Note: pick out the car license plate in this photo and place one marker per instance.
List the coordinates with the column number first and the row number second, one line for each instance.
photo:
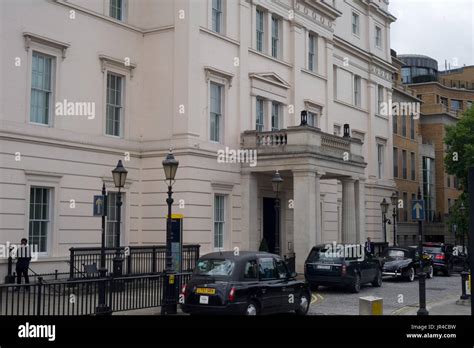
column 204, row 299
column 206, row 291
column 323, row 267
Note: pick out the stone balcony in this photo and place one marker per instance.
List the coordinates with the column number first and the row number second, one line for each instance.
column 304, row 139
column 436, row 109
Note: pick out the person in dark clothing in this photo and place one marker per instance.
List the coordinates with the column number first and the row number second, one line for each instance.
column 23, row 256
column 369, row 247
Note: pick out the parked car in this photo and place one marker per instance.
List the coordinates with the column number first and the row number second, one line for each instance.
column 460, row 258
column 405, row 263
column 442, row 254
column 250, row 283
column 346, row 266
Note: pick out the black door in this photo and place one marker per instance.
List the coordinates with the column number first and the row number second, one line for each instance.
column 269, row 222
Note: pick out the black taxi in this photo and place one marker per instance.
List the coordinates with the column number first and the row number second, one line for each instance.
column 243, row 283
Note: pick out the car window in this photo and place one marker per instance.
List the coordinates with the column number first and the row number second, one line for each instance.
column 432, row 249
column 281, row 268
column 215, row 267
column 267, row 269
column 250, row 271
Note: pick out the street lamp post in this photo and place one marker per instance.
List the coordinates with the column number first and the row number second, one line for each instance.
column 102, row 308
column 277, row 182
column 384, row 206
column 462, row 208
column 422, row 275
column 394, row 199
column 119, row 175
column 168, row 306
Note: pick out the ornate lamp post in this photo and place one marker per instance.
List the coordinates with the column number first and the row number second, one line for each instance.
column 384, row 206
column 119, row 175
column 170, row 166
column 394, row 199
column 462, row 209
column 277, row 182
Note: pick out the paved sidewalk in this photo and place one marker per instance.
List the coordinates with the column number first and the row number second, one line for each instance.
column 451, row 305
column 146, row 311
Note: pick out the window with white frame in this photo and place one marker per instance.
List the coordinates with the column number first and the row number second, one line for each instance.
column 39, row 217
column 275, row 116
column 337, row 130
column 378, row 37
column 312, row 52
column 114, row 105
column 112, row 221
column 260, row 30
column 219, row 221
column 260, row 115
column 41, row 88
column 116, row 9
column 380, row 98
column 216, row 112
column 313, row 119
column 217, row 16
column 357, row 90
column 355, row 23
column 275, row 37
column 380, row 160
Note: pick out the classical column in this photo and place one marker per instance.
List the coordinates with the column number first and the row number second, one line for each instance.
column 348, row 211
column 360, row 211
column 304, row 215
column 317, row 193
column 250, row 236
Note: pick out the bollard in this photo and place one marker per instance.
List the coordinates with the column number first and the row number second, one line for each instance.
column 464, row 281
column 370, row 305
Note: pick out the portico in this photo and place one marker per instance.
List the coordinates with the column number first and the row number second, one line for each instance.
column 306, row 159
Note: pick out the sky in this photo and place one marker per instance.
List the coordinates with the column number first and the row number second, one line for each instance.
column 440, row 29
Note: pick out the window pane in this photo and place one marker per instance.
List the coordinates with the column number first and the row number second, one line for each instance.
column 40, row 88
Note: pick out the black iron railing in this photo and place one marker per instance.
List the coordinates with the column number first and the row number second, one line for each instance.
column 139, row 260
column 81, row 297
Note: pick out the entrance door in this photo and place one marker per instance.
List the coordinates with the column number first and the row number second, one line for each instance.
column 269, row 222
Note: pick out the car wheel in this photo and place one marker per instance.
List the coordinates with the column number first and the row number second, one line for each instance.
column 251, row 308
column 303, row 306
column 378, row 280
column 355, row 287
column 430, row 273
column 314, row 287
column 449, row 271
column 410, row 275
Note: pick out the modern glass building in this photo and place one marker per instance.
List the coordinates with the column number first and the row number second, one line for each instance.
column 418, row 68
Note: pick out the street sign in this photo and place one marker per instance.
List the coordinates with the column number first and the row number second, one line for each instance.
column 418, row 210
column 99, row 206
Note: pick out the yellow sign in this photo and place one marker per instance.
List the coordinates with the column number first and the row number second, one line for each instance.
column 206, row 291
column 171, row 279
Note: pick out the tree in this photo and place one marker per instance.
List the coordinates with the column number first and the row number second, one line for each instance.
column 460, row 142
column 459, row 157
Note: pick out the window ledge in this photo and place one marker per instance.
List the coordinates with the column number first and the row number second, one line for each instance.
column 276, row 60
column 315, row 74
column 220, row 36
column 350, row 105
column 30, row 37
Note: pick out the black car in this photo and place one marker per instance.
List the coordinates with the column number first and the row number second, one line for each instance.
column 342, row 265
column 250, row 283
column 443, row 260
column 405, row 263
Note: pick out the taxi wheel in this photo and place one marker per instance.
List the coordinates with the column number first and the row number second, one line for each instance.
column 355, row 287
column 303, row 306
column 410, row 275
column 251, row 308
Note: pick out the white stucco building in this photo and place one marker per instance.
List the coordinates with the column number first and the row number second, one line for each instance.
column 199, row 76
